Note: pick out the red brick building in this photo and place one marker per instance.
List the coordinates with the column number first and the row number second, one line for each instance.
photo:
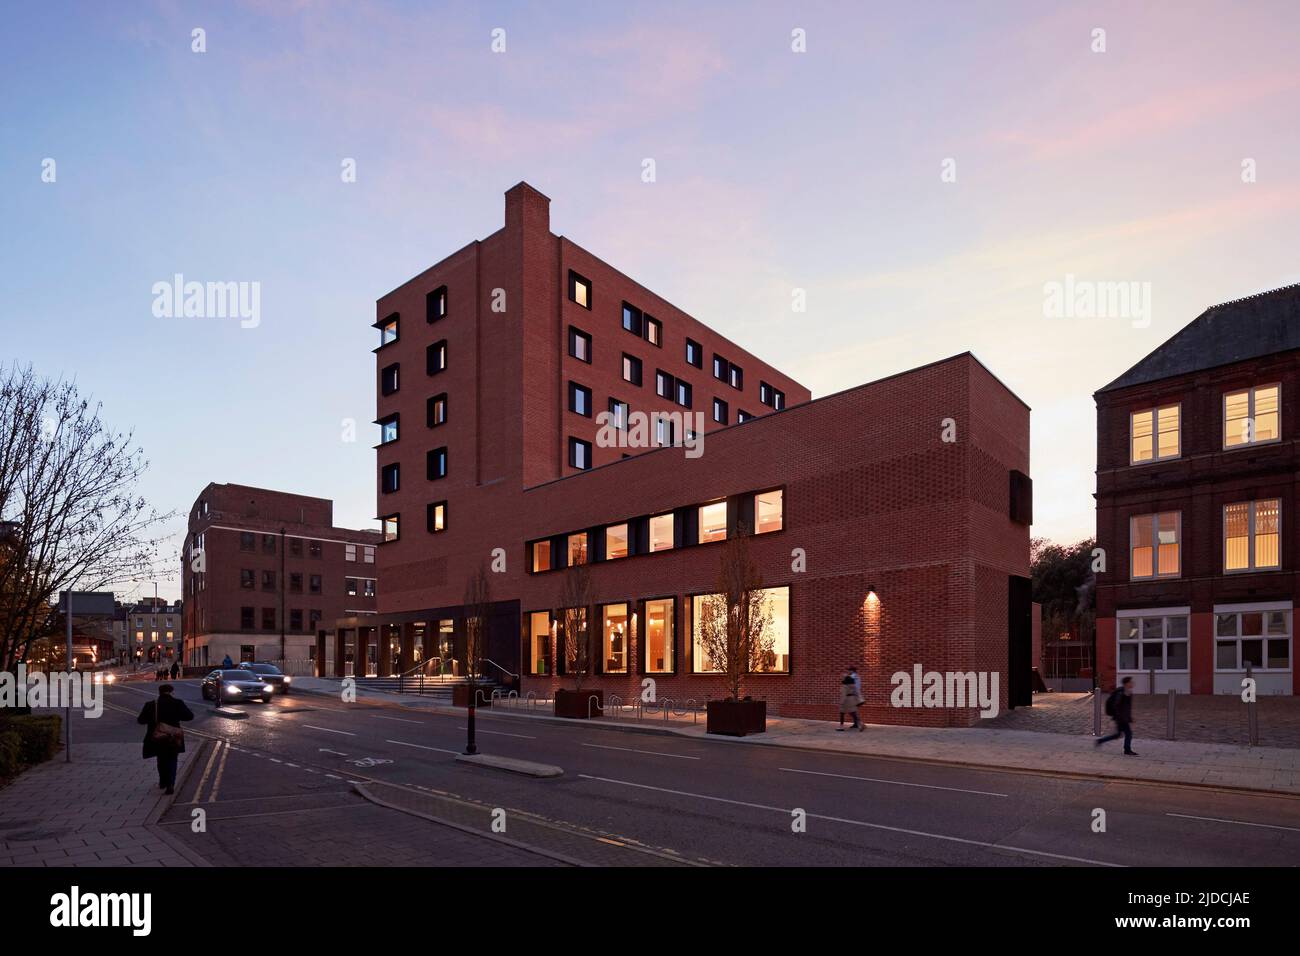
column 264, row 571
column 881, row 516
column 1197, row 464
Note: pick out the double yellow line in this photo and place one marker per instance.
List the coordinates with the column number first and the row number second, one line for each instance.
column 217, row 759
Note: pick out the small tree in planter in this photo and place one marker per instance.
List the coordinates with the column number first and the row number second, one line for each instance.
column 575, row 644
column 735, row 637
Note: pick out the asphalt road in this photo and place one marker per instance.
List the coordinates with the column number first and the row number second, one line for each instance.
column 642, row 799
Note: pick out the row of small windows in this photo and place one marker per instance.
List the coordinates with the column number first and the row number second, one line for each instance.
column 1251, row 540
column 763, row 511
column 248, row 542
column 435, row 359
column 248, row 581
column 247, row 617
column 435, row 521
column 390, row 475
column 435, row 308
column 1251, row 416
column 642, row 635
column 665, row 435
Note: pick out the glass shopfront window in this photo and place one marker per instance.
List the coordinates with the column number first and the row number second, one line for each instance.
column 775, row 661
column 615, row 638
column 539, row 643
column 660, row 636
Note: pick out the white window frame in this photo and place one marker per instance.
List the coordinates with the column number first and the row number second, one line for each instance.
column 1164, row 614
column 1250, row 415
column 1154, row 412
column 1262, row 607
column 1251, row 567
column 1155, row 574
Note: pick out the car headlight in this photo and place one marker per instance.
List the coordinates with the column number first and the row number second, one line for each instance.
column 234, row 690
column 288, row 679
column 268, row 688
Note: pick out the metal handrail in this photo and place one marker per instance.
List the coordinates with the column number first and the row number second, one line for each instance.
column 508, row 673
column 401, row 678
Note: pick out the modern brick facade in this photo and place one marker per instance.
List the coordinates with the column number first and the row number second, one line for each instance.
column 900, row 487
column 263, row 571
column 1196, row 508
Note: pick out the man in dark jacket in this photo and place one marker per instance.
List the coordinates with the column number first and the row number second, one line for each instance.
column 169, row 711
column 1120, row 707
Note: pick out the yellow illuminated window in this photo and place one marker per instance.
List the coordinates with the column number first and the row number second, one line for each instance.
column 713, row 521
column 768, row 511
column 1154, row 545
column 1252, row 535
column 1252, row 416
column 661, row 532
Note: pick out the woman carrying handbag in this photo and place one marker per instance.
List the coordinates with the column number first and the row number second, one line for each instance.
column 163, row 737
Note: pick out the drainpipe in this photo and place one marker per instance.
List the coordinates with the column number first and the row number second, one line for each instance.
column 283, row 663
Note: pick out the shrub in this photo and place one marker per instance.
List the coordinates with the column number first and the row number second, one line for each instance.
column 37, row 736
column 10, row 749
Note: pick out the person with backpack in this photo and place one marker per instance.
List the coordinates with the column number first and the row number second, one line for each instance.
column 163, row 737
column 1119, row 707
column 850, row 698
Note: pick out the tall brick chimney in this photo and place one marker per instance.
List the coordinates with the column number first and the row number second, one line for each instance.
column 527, row 208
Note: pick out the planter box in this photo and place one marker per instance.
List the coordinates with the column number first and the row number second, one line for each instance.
column 460, row 696
column 737, row 718
column 578, row 704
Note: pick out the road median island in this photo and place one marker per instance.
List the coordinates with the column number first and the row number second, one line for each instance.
column 526, row 767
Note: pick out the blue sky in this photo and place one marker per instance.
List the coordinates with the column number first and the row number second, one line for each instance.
column 775, row 170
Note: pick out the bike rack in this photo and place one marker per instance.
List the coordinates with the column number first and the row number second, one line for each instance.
column 593, row 699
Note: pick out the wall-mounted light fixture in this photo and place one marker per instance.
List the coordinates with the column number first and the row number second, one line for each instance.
column 871, row 593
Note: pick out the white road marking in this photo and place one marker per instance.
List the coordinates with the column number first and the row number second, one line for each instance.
column 333, row 776
column 404, row 720
column 345, row 733
column 1240, row 823
column 859, row 823
column 896, row 783
column 276, row 760
column 423, row 747
column 327, row 751
column 498, row 733
column 653, row 753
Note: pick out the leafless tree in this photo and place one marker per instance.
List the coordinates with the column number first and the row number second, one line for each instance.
column 736, row 621
column 575, row 617
column 68, row 517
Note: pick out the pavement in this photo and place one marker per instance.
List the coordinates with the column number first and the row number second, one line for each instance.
column 1186, row 762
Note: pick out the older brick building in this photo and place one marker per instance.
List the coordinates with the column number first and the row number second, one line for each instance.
column 883, row 515
column 1197, row 464
column 263, row 571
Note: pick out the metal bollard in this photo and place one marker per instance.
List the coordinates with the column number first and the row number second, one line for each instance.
column 1096, row 711
column 1169, row 719
column 1252, row 715
column 1151, row 680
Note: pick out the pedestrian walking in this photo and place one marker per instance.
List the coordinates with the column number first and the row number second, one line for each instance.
column 227, row 664
column 850, row 698
column 163, row 737
column 176, row 669
column 1119, row 707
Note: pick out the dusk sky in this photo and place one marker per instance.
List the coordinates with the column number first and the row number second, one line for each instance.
column 924, row 171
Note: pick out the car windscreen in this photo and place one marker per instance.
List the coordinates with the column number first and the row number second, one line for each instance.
column 237, row 675
column 264, row 668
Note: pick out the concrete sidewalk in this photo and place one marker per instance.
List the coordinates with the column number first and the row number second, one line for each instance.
column 97, row 810
column 1223, row 766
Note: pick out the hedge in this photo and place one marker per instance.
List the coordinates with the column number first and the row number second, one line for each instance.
column 35, row 739
column 10, row 748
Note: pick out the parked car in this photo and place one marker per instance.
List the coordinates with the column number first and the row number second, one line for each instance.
column 269, row 673
column 235, row 685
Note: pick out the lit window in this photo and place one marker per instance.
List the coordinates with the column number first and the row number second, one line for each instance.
column 654, row 331
column 1251, row 416
column 1252, row 535
column 579, row 399
column 579, row 344
column 350, row 587
column 388, row 330
column 1155, row 434
column 720, row 411
column 388, row 379
column 541, row 556
column 661, row 532
column 390, row 525
column 435, row 357
column 435, row 410
column 437, row 517
column 389, row 478
column 694, row 353
column 435, row 304
column 436, row 463
column 539, row 643
column 614, row 644
column 577, row 548
column 768, row 511
column 1154, row 545
column 387, row 430
column 713, row 521
column 579, row 454
column 659, row 636
column 709, row 613
column 579, row 290
column 616, row 541
column 631, row 369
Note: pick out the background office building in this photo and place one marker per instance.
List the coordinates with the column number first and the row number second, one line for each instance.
column 1196, row 498
column 263, row 571
column 907, row 498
